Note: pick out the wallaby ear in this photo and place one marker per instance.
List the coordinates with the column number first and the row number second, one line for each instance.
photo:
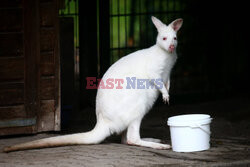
column 157, row 22
column 176, row 25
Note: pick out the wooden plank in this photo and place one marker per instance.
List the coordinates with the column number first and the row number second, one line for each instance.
column 32, row 57
column 49, row 113
column 48, row 106
column 46, row 121
column 57, row 91
column 47, row 37
column 46, row 13
column 11, row 44
column 11, row 94
column 17, row 130
column 11, row 68
column 57, row 126
column 12, row 19
column 47, row 88
column 12, row 112
column 47, row 65
column 17, row 122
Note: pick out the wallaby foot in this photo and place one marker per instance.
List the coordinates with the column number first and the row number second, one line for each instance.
column 132, row 137
column 149, row 144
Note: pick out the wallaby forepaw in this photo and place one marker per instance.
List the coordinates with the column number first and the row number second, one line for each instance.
column 165, row 98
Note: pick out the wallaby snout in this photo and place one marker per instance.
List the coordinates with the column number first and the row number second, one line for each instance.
column 171, row 48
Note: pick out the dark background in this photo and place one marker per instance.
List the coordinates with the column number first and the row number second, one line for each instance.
column 216, row 48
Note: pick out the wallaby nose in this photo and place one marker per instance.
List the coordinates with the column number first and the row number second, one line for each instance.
column 171, row 48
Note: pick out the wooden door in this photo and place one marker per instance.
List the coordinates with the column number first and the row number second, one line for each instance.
column 29, row 67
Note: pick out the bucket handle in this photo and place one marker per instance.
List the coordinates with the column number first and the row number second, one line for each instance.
column 200, row 126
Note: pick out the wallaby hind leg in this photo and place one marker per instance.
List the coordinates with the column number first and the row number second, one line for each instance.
column 133, row 137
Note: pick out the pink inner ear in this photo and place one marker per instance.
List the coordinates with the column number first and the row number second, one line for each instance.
column 177, row 25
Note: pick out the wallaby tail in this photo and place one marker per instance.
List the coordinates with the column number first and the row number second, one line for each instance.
column 95, row 136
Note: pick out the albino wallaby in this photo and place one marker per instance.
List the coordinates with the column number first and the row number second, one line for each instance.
column 122, row 109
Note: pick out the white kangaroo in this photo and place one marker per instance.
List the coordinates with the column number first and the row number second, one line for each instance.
column 122, row 110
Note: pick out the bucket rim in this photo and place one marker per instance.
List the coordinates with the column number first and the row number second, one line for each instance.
column 191, row 120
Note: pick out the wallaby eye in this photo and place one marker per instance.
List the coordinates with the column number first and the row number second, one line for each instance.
column 175, row 38
column 164, row 38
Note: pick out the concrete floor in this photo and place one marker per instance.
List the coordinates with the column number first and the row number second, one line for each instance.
column 229, row 144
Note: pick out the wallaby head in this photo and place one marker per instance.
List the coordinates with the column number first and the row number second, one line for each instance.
column 167, row 34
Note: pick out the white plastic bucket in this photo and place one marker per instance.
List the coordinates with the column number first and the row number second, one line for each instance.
column 190, row 132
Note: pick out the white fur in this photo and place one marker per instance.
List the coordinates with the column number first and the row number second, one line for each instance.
column 121, row 110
